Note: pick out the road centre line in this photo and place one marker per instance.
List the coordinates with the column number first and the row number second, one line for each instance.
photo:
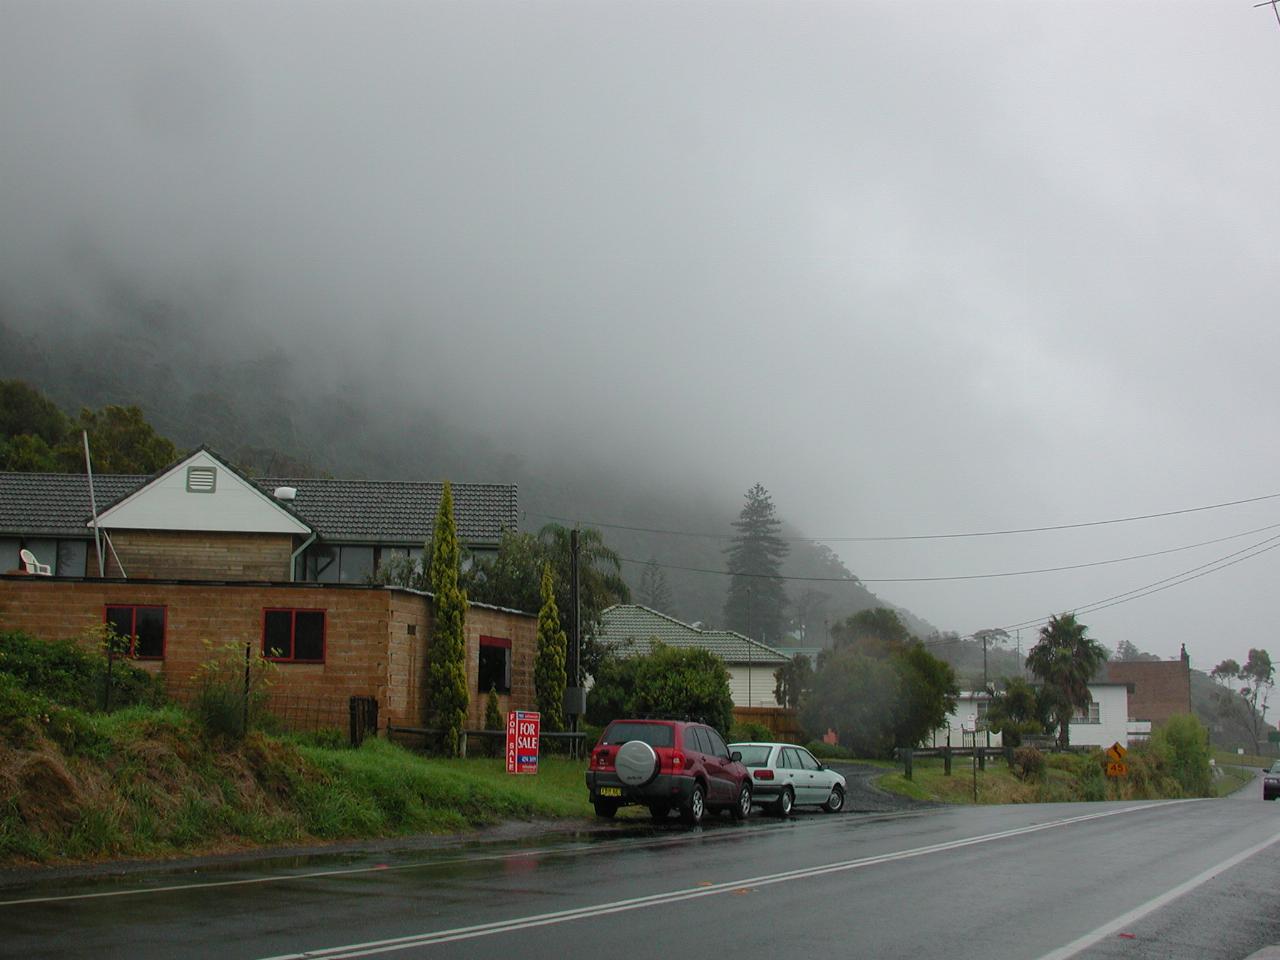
column 1137, row 913
column 432, row 938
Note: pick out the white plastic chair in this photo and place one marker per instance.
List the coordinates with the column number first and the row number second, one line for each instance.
column 33, row 565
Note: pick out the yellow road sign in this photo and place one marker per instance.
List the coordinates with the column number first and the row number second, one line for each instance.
column 1117, row 752
column 1117, row 769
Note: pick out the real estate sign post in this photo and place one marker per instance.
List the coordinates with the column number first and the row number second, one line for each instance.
column 523, row 731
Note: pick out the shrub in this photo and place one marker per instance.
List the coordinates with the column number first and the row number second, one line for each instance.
column 1028, row 763
column 73, row 673
column 746, row 732
column 1183, row 743
column 493, row 721
column 226, row 703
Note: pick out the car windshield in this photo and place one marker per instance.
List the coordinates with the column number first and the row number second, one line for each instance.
column 654, row 734
column 752, row 756
column 1275, row 767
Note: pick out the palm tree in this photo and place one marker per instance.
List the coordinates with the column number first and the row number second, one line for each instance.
column 1065, row 660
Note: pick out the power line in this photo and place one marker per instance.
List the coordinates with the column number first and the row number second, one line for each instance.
column 969, row 576
column 1177, row 579
column 923, row 536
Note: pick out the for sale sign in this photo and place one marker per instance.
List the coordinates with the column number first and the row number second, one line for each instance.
column 523, row 729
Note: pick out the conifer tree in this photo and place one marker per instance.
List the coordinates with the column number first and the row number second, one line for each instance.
column 447, row 651
column 655, row 592
column 493, row 718
column 756, row 596
column 549, row 665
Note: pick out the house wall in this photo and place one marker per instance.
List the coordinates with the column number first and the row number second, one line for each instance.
column 522, row 630
column 1113, row 718
column 751, row 685
column 376, row 639
column 1161, row 688
column 958, row 730
column 184, row 555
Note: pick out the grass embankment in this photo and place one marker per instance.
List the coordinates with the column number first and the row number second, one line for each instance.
column 152, row 779
column 147, row 782
column 1163, row 769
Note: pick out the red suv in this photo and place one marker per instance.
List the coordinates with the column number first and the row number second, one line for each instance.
column 666, row 765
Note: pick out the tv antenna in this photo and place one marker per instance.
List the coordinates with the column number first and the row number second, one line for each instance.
column 1273, row 5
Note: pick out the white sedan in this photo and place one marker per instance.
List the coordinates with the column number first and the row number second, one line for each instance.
column 783, row 775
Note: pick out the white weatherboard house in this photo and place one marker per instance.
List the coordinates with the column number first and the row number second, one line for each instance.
column 631, row 629
column 1104, row 722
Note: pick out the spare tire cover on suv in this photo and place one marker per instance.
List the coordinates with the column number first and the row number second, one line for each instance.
column 636, row 763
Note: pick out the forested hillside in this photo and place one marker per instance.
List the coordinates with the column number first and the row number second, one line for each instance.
column 269, row 405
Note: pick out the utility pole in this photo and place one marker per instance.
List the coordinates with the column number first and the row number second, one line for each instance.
column 986, row 687
column 575, row 696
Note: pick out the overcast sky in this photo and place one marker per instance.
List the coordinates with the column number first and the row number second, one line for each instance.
column 918, row 268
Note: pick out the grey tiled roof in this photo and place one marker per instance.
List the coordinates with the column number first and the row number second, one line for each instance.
column 363, row 511
column 632, row 628
column 398, row 511
column 57, row 504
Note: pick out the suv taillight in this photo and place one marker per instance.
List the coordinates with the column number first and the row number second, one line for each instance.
column 600, row 759
column 677, row 760
column 762, row 774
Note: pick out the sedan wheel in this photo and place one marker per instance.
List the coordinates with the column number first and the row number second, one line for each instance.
column 785, row 803
column 835, row 802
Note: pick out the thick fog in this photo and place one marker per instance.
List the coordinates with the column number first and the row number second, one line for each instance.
column 918, row 268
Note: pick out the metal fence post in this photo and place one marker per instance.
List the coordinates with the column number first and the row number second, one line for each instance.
column 946, row 760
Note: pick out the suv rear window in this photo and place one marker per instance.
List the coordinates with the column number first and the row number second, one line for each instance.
column 654, row 734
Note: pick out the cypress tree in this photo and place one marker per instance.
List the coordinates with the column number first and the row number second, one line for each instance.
column 549, row 666
column 756, row 596
column 447, row 652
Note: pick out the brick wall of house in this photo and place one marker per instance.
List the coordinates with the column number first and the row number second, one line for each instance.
column 522, row 630
column 188, row 555
column 1161, row 688
column 375, row 639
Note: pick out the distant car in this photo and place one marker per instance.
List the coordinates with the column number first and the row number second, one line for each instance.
column 667, row 765
column 1271, row 782
column 785, row 775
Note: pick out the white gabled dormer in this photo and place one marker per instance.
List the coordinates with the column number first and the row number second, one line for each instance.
column 200, row 492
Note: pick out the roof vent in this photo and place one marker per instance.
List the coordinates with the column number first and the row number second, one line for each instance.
column 285, row 493
column 202, row 479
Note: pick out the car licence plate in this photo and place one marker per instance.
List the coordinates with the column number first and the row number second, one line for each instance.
column 610, row 791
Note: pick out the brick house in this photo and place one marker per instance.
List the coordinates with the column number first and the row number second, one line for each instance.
column 1159, row 688
column 200, row 553
column 202, row 518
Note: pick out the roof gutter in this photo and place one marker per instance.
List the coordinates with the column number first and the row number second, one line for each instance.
column 293, row 557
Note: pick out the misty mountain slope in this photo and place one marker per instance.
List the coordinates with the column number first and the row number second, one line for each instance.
column 263, row 404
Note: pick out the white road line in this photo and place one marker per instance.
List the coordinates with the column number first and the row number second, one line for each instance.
column 692, row 893
column 1137, row 913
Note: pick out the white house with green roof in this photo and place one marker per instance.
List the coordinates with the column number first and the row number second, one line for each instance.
column 631, row 630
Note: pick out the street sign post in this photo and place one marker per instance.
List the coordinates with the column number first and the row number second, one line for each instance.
column 523, row 732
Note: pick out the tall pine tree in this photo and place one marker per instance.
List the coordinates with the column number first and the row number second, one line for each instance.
column 655, row 592
column 447, row 651
column 756, row 596
column 548, row 666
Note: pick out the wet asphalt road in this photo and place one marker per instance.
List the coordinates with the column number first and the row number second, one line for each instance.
column 1018, row 882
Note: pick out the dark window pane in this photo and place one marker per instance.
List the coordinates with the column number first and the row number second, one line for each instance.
column 322, row 564
column 9, row 547
column 806, row 760
column 717, row 745
column 654, row 734
column 277, row 634
column 120, row 619
column 357, row 564
column 308, row 635
column 71, row 558
column 494, row 670
column 149, row 632
column 696, row 739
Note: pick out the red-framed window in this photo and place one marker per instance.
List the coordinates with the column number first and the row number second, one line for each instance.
column 494, row 669
column 142, row 626
column 291, row 635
